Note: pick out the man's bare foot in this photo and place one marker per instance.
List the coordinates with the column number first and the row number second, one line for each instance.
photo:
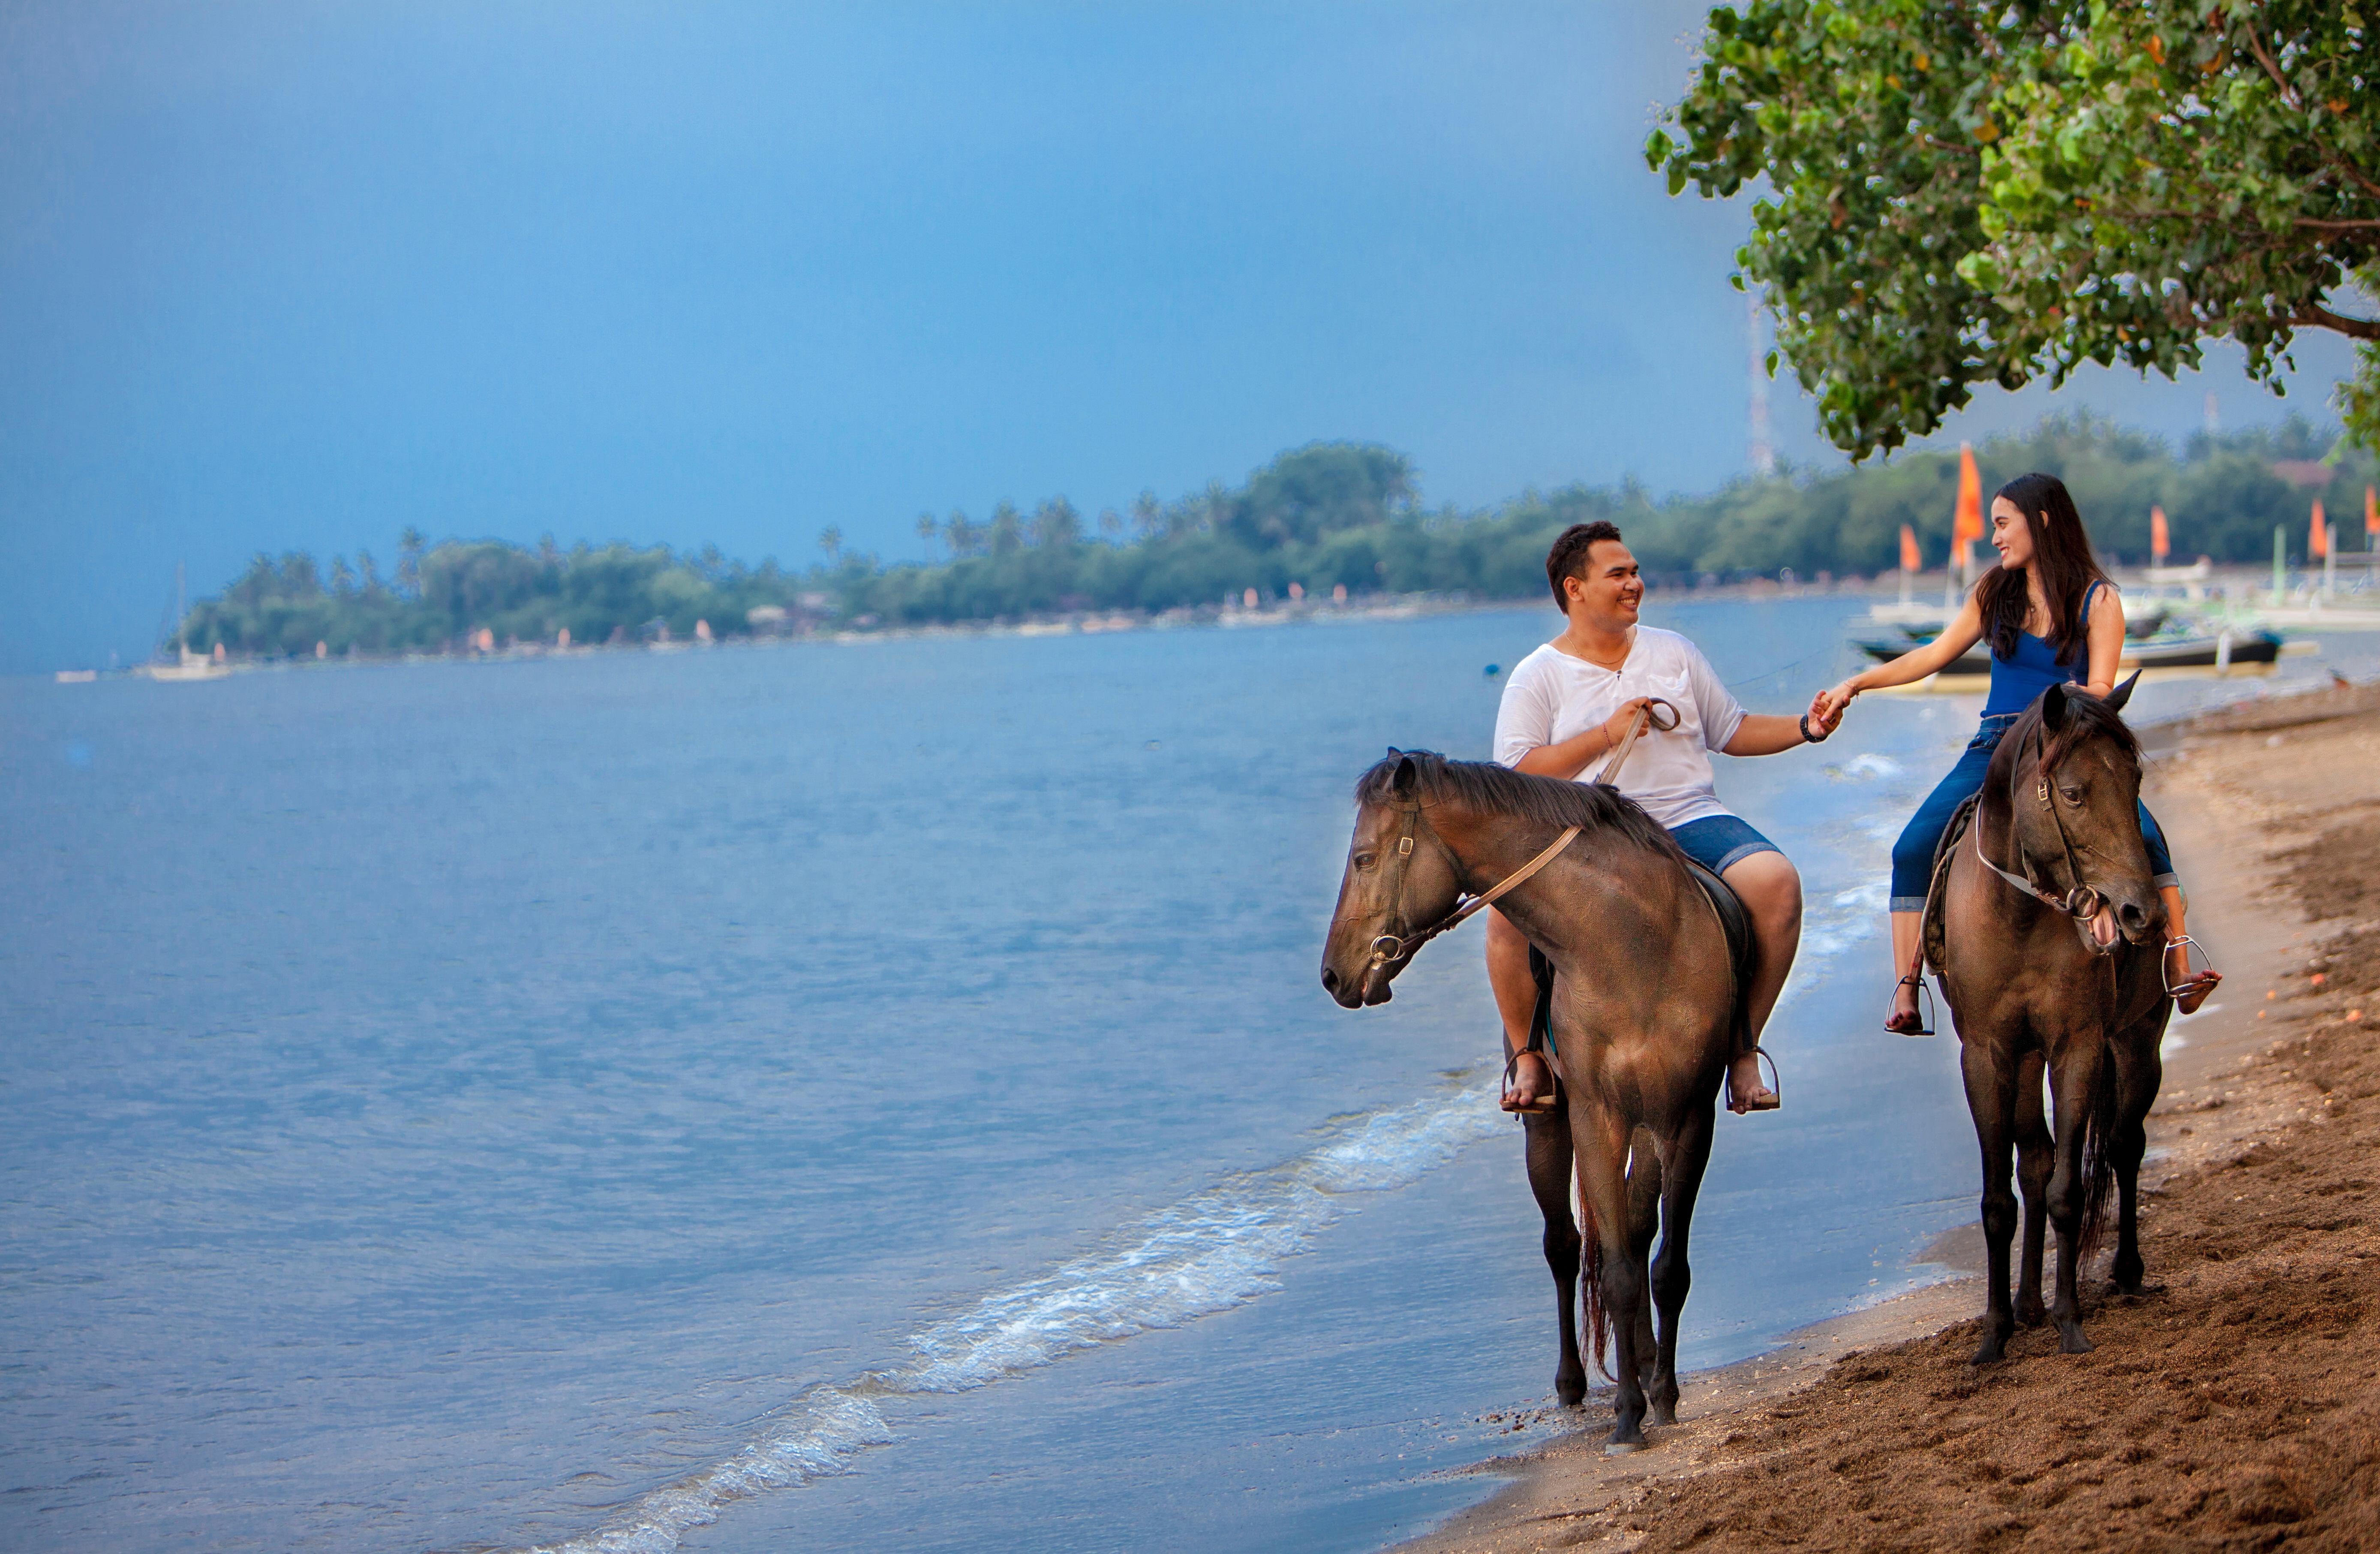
column 1528, row 1083
column 1746, row 1092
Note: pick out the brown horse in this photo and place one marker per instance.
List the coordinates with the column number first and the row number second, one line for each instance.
column 2046, row 943
column 1643, row 1020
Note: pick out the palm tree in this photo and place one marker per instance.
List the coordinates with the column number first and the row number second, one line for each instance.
column 1110, row 524
column 1147, row 515
column 1056, row 524
column 1007, row 529
column 409, row 546
column 927, row 529
column 831, row 542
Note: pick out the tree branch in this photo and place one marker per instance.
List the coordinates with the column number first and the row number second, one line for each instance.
column 2289, row 93
column 2314, row 315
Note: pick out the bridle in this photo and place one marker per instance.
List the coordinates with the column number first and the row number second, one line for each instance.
column 2080, row 902
column 1391, row 948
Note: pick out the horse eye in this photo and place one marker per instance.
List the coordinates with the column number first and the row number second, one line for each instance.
column 2074, row 795
column 1365, row 860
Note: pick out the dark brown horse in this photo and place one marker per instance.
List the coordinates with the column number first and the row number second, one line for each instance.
column 1642, row 1020
column 2046, row 941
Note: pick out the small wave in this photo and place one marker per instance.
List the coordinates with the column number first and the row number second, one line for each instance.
column 1219, row 1248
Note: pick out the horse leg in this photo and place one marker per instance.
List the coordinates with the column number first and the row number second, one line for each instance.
column 1601, row 1148
column 2036, row 1155
column 1644, row 1220
column 1681, row 1178
column 1991, row 1101
column 1549, row 1155
column 2140, row 1071
column 2071, row 1083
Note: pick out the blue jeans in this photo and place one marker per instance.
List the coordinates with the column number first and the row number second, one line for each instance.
column 1912, row 855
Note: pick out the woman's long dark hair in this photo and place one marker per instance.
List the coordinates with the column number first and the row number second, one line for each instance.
column 2063, row 553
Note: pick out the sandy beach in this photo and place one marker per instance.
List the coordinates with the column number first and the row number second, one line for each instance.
column 2237, row 1403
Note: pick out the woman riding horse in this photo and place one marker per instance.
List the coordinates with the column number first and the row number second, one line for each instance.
column 2053, row 618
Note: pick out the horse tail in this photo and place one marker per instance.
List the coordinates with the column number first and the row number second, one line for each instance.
column 1590, row 1272
column 2099, row 1156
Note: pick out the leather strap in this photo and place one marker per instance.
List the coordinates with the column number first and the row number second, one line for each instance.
column 1610, row 774
column 1389, row 946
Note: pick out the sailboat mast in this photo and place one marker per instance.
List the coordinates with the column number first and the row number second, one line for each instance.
column 181, row 613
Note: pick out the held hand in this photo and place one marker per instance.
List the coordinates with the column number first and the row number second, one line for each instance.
column 1826, row 706
column 1615, row 728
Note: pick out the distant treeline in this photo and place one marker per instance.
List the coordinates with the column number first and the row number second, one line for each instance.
column 1325, row 516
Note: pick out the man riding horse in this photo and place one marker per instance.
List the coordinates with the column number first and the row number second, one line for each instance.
column 1566, row 712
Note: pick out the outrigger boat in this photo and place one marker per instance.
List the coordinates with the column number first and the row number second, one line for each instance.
column 2254, row 651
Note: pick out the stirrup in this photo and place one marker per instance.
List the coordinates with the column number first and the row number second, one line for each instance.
column 1776, row 1089
column 2188, row 978
column 1926, row 1004
column 1546, row 1105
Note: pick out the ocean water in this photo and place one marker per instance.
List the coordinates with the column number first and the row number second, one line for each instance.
column 838, row 1096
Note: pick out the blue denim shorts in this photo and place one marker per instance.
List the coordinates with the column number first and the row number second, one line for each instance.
column 1718, row 842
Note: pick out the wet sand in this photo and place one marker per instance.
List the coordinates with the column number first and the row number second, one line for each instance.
column 2237, row 1403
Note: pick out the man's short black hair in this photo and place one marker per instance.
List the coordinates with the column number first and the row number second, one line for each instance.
column 1567, row 559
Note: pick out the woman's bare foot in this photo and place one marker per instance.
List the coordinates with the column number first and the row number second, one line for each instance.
column 2186, row 988
column 1528, row 1083
column 1907, row 1018
column 1746, row 1092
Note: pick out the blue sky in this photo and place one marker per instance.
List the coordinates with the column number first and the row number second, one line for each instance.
column 279, row 276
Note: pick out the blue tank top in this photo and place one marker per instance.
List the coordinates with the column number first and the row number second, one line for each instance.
column 2016, row 681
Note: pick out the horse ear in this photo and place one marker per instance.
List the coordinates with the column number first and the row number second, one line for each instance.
column 1402, row 784
column 2123, row 694
column 2053, row 707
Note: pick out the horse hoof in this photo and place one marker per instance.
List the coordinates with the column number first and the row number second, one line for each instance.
column 1989, row 1355
column 2032, row 1313
column 2074, row 1343
column 1621, row 1448
column 1570, row 1394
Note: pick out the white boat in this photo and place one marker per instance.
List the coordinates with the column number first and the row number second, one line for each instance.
column 185, row 664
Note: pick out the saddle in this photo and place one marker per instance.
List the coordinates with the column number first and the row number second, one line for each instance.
column 1932, row 933
column 1742, row 950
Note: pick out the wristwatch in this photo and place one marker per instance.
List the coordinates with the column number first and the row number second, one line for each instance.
column 1807, row 737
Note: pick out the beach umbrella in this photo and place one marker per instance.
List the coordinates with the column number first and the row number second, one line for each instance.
column 2160, row 542
column 2371, row 519
column 2318, row 537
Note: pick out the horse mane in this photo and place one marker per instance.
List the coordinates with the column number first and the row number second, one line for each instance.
column 1485, row 785
column 2087, row 718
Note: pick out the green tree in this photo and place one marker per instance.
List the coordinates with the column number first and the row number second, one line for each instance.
column 927, row 530
column 831, row 542
column 1968, row 192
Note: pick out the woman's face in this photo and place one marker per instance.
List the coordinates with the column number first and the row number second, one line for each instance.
column 2012, row 535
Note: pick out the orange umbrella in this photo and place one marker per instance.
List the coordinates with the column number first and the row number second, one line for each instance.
column 2371, row 511
column 2160, row 542
column 2318, row 539
column 1910, row 561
